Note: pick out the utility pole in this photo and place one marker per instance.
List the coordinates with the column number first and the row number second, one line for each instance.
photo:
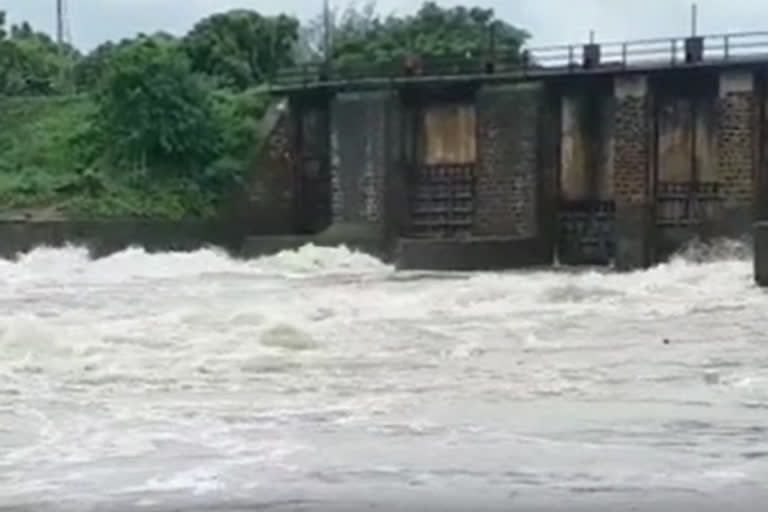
column 60, row 22
column 327, row 30
column 694, row 19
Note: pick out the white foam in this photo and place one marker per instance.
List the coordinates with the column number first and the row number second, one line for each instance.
column 219, row 361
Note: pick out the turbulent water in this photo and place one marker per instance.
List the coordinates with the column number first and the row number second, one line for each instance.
column 324, row 378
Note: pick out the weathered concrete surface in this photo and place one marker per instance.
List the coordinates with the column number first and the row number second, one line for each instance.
column 360, row 155
column 633, row 225
column 631, row 166
column 492, row 253
column 548, row 160
column 401, row 126
column 450, row 134
column 675, row 143
column 313, row 209
column 687, row 155
column 587, row 146
column 760, row 238
column 605, row 147
column 736, row 139
column 603, row 139
column 354, row 236
column 706, row 139
column 760, row 197
column 507, row 173
column 574, row 184
column 266, row 204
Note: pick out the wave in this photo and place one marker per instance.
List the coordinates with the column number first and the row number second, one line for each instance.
column 73, row 263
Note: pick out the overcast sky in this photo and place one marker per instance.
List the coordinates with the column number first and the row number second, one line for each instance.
column 550, row 21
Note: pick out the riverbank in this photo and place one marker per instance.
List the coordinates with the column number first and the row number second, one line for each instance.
column 53, row 158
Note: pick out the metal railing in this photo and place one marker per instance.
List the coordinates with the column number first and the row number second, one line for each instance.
column 660, row 52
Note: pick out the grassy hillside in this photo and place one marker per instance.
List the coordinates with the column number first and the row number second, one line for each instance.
column 37, row 154
column 48, row 167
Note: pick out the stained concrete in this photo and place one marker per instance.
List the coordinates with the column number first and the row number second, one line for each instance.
column 760, row 237
column 587, row 146
column 450, row 134
column 487, row 253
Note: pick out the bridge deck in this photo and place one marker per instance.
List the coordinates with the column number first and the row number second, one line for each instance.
column 721, row 50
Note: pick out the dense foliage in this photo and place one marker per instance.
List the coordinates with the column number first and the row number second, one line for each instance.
column 432, row 31
column 163, row 126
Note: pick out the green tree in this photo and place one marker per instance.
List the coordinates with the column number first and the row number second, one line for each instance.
column 31, row 63
column 154, row 113
column 90, row 69
column 360, row 35
column 241, row 48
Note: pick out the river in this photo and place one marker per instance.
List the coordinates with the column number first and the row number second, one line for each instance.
column 324, row 379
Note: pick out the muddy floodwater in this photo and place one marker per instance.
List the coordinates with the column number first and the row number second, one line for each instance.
column 326, row 379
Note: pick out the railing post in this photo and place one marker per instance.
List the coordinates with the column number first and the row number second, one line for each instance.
column 570, row 57
column 526, row 61
column 590, row 56
column 726, row 47
column 674, row 51
column 624, row 54
column 694, row 49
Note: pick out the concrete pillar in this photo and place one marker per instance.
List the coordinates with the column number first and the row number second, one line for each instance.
column 506, row 186
column 736, row 127
column 761, row 253
column 694, row 49
column 361, row 159
column 266, row 202
column 590, row 55
column 632, row 154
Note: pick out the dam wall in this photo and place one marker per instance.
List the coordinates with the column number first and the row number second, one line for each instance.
column 608, row 169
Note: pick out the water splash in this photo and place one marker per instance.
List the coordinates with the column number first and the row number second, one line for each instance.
column 73, row 263
column 716, row 251
column 165, row 374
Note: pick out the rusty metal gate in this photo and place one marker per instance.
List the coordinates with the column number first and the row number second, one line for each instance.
column 442, row 178
column 686, row 206
column 686, row 185
column 586, row 232
column 442, row 200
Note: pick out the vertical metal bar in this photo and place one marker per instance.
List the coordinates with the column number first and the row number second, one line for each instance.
column 624, row 54
column 327, row 30
column 674, row 51
column 60, row 22
column 570, row 57
column 694, row 18
column 726, row 46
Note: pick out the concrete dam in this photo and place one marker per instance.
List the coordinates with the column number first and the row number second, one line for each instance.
column 601, row 154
